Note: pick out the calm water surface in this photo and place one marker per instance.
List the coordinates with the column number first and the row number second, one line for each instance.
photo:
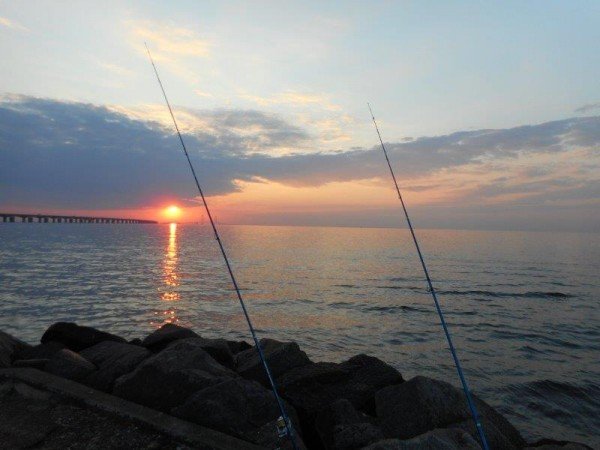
column 523, row 307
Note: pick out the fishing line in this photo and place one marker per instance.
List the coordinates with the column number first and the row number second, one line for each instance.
column 463, row 380
column 261, row 355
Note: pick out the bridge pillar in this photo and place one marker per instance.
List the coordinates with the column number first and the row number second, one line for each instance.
column 30, row 219
column 11, row 219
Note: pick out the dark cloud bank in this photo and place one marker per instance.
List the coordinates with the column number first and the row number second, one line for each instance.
column 72, row 155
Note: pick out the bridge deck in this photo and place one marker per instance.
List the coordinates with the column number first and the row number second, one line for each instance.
column 54, row 218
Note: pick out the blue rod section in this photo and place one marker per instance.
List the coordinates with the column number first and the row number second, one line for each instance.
column 261, row 355
column 463, row 381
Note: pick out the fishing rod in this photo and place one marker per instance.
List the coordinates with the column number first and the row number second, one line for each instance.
column 463, row 380
column 288, row 425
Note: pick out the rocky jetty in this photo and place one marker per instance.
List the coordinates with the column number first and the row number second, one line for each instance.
column 220, row 384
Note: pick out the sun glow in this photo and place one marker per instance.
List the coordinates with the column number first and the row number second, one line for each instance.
column 172, row 212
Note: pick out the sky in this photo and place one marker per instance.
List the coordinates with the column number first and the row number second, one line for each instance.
column 490, row 112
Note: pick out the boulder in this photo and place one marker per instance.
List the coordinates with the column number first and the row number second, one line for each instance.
column 113, row 360
column 237, row 407
column 9, row 345
column 218, row 349
column 31, row 363
column 76, row 337
column 355, row 436
column 267, row 436
column 341, row 426
column 439, row 439
column 40, row 351
column 552, row 444
column 280, row 356
column 423, row 404
column 170, row 377
column 169, row 332
column 238, row 346
column 312, row 387
column 68, row 364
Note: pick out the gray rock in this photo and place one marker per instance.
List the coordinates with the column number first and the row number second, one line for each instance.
column 169, row 332
column 280, row 356
column 39, row 363
column 315, row 386
column 40, row 351
column 237, row 406
column 552, row 444
column 238, row 346
column 170, row 377
column 113, row 359
column 356, row 435
column 439, row 439
column 218, row 349
column 68, row 364
column 423, row 404
column 341, row 426
column 9, row 345
column 267, row 437
column 76, row 337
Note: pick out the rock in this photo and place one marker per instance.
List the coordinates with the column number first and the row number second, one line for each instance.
column 551, row 444
column 341, row 426
column 135, row 341
column 76, row 337
column 238, row 346
column 237, row 407
column 40, row 351
column 32, row 363
column 218, row 349
column 70, row 365
column 113, row 360
column 439, row 439
column 8, row 347
column 170, row 377
column 268, row 437
column 423, row 404
column 355, row 436
column 169, row 332
column 313, row 387
column 280, row 356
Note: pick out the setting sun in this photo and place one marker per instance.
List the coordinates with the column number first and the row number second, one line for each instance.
column 172, row 212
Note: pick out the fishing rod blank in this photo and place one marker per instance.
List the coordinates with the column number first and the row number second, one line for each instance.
column 288, row 425
column 435, row 299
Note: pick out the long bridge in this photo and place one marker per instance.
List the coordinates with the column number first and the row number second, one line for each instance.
column 54, row 218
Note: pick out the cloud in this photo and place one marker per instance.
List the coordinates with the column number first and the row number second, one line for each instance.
column 200, row 93
column 76, row 155
column 173, row 46
column 588, row 108
column 12, row 24
column 293, row 98
column 169, row 39
column 115, row 69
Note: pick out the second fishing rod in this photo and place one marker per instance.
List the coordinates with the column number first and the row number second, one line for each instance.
column 463, row 380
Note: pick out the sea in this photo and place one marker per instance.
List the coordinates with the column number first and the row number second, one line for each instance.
column 522, row 307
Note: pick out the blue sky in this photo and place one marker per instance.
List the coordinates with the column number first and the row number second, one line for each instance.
column 308, row 68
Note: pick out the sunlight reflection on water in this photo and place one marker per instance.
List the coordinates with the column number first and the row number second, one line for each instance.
column 169, row 292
